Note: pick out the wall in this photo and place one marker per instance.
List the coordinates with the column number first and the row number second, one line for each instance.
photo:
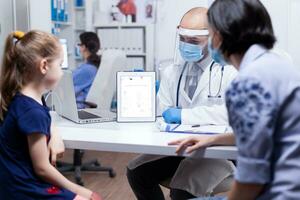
column 169, row 15
column 40, row 15
column 294, row 31
column 6, row 23
column 285, row 17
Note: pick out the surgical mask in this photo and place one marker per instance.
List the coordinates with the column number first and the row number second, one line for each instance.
column 215, row 54
column 190, row 52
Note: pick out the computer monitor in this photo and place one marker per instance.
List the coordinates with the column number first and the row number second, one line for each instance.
column 65, row 50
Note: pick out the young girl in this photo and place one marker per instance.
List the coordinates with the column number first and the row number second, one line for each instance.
column 31, row 66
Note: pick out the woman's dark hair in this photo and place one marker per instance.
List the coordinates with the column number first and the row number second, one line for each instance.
column 241, row 23
column 91, row 41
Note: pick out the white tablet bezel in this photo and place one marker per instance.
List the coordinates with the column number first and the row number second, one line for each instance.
column 153, row 96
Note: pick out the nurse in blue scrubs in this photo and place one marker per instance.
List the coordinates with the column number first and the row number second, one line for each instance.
column 84, row 74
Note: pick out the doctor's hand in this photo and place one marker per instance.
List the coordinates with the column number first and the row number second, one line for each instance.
column 172, row 116
column 193, row 143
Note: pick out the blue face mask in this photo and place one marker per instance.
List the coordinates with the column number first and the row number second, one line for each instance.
column 190, row 52
column 216, row 54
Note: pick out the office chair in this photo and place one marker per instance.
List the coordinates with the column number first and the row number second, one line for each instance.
column 104, row 86
column 99, row 96
column 77, row 166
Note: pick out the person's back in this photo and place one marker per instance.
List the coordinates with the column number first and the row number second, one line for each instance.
column 265, row 100
column 286, row 164
column 84, row 75
column 83, row 78
column 286, row 135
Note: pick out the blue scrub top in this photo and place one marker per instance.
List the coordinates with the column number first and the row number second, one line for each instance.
column 17, row 177
column 83, row 78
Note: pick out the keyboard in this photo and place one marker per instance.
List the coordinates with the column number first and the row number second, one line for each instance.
column 86, row 115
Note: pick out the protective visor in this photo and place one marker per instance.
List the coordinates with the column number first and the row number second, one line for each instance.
column 189, row 33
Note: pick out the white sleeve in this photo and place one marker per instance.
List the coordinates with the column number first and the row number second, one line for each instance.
column 216, row 114
column 164, row 96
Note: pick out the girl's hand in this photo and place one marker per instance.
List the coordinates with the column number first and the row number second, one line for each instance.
column 56, row 146
column 84, row 192
column 192, row 143
column 96, row 196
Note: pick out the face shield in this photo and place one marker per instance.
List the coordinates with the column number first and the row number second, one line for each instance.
column 190, row 45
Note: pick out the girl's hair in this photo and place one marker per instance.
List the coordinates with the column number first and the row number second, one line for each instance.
column 21, row 58
column 91, row 41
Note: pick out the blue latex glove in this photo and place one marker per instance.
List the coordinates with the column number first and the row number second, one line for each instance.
column 138, row 70
column 172, row 116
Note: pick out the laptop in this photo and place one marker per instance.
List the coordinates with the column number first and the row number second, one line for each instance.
column 65, row 104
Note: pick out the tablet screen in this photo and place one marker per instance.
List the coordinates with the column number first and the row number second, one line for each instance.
column 136, row 96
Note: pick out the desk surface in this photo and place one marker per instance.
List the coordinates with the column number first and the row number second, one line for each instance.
column 130, row 137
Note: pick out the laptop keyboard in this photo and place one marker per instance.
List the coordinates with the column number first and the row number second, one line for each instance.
column 86, row 115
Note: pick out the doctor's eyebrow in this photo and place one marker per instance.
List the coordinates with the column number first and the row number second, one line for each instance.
column 193, row 40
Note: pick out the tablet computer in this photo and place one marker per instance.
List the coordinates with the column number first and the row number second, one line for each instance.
column 136, row 97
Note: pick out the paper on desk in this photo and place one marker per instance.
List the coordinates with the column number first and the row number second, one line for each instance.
column 208, row 129
column 163, row 126
column 181, row 128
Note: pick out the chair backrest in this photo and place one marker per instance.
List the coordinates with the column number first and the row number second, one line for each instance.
column 104, row 84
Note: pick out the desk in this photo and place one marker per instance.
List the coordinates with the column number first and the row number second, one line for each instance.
column 142, row 138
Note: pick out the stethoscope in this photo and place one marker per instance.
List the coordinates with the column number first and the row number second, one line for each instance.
column 210, row 96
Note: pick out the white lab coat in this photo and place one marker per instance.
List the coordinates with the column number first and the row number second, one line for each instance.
column 200, row 109
column 197, row 176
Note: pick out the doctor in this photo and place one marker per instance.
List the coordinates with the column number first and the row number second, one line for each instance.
column 191, row 93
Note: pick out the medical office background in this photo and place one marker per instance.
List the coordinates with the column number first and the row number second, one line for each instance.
column 148, row 38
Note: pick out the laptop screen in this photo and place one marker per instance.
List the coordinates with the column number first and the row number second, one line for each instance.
column 65, row 50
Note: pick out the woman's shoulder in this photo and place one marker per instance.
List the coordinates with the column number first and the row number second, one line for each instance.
column 91, row 66
column 86, row 67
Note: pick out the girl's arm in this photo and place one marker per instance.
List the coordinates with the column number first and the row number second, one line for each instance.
column 56, row 146
column 40, row 159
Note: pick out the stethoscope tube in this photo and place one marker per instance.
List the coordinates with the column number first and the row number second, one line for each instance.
column 178, row 85
column 209, row 95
